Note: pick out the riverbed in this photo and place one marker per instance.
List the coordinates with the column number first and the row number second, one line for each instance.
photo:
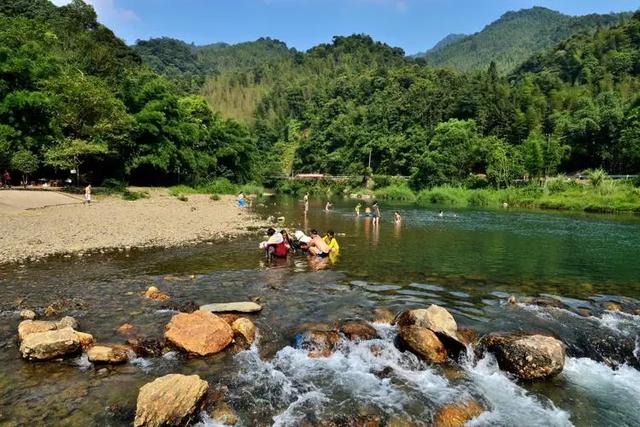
column 574, row 276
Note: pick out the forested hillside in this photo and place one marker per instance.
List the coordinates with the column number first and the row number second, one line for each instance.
column 74, row 96
column 514, row 37
column 450, row 38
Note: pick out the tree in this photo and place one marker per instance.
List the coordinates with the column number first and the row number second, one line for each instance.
column 504, row 163
column 72, row 153
column 542, row 154
column 25, row 162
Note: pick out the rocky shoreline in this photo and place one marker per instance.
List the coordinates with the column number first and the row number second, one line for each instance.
column 111, row 224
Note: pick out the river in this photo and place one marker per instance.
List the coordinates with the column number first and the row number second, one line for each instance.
column 469, row 261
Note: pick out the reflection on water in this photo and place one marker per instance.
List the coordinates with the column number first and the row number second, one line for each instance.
column 470, row 262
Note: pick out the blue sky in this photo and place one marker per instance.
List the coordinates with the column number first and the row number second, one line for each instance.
column 414, row 25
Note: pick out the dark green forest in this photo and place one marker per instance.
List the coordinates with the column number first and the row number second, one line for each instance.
column 73, row 95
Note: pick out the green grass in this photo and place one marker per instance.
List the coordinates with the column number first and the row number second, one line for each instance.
column 134, row 195
column 217, row 186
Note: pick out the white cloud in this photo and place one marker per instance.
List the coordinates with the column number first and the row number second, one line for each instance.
column 106, row 9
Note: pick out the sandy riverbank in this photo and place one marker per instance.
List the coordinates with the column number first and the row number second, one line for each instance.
column 35, row 224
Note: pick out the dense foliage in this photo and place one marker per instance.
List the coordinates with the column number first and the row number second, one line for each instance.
column 514, row 37
column 71, row 94
column 75, row 97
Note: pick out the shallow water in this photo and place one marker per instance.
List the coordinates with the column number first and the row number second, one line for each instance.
column 470, row 261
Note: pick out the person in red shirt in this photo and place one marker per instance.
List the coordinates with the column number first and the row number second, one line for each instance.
column 276, row 245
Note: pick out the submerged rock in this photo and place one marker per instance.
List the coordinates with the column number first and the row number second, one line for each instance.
column 50, row 344
column 200, row 332
column 146, row 346
column 423, row 342
column 359, row 330
column 229, row 317
column 384, row 316
column 224, row 414
column 169, row 401
column 27, row 314
column 527, row 356
column 457, row 414
column 155, row 294
column 317, row 343
column 126, row 329
column 183, row 307
column 612, row 306
column 245, row 328
column 108, row 354
column 241, row 307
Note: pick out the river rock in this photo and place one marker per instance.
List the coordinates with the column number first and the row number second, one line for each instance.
column 423, row 342
column 359, row 330
column 108, row 354
column 27, row 314
column 384, row 316
column 50, row 344
column 67, row 322
column 155, row 294
column 436, row 318
column 126, row 329
column 200, row 332
column 242, row 307
column 169, row 400
column 245, row 328
column 28, row 327
column 527, row 356
column 86, row 340
column 224, row 414
column 317, row 343
column 457, row 414
column 612, row 306
column 229, row 317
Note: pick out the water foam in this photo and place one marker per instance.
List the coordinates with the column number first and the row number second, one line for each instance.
column 613, row 393
column 509, row 404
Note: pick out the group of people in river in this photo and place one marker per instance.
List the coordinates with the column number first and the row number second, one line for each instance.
column 280, row 244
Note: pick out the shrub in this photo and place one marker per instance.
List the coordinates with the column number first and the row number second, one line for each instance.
column 454, row 196
column 251, row 188
column 215, row 197
column 396, row 192
column 183, row 198
column 597, row 176
column 219, row 186
column 478, row 198
column 114, row 185
column 134, row 195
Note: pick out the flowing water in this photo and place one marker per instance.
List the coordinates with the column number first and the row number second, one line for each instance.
column 469, row 261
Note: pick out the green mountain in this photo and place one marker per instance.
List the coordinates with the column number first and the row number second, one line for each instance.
column 514, row 37
column 450, row 38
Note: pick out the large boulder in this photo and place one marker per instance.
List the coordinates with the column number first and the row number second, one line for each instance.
column 438, row 320
column 50, row 344
column 528, row 356
column 169, row 401
column 108, row 354
column 86, row 340
column 457, row 414
column 245, row 328
column 358, row 330
column 201, row 332
column 241, row 307
column 424, row 343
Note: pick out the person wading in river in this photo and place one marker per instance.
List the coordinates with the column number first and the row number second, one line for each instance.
column 317, row 246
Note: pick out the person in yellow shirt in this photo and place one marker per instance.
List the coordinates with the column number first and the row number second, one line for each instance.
column 331, row 241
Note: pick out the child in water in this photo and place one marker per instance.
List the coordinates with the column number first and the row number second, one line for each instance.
column 330, row 240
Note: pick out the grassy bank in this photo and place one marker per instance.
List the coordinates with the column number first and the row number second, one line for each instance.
column 217, row 186
column 560, row 194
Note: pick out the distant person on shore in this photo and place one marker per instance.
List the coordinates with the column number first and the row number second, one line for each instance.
column 330, row 240
column 318, row 246
column 376, row 213
column 275, row 245
column 242, row 201
column 397, row 218
column 358, row 206
column 328, row 206
column 87, row 194
column 306, row 202
column 6, row 178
